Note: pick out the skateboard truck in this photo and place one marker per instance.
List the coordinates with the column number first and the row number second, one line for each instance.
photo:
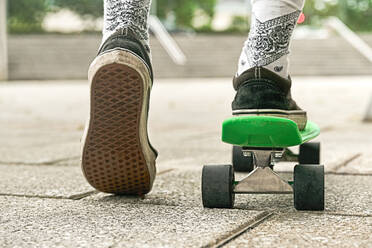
column 284, row 155
column 263, row 180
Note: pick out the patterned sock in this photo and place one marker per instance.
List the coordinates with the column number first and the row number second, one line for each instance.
column 131, row 14
column 272, row 25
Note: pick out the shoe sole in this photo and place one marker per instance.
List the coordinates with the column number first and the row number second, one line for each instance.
column 298, row 116
column 117, row 156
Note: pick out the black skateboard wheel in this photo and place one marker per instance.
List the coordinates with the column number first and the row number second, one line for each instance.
column 217, row 186
column 308, row 188
column 240, row 162
column 309, row 153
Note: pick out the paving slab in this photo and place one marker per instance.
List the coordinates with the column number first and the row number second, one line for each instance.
column 308, row 230
column 344, row 194
column 41, row 122
column 349, row 194
column 333, row 101
column 65, row 223
column 44, row 103
column 37, row 150
column 362, row 164
column 345, row 142
column 43, row 181
column 23, row 143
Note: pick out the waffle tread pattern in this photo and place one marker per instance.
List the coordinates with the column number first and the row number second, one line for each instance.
column 113, row 161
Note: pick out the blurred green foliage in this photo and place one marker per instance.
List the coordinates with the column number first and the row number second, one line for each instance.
column 90, row 8
column 357, row 14
column 25, row 16
column 184, row 10
column 239, row 24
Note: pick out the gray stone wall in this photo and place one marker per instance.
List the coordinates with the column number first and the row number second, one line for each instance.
column 34, row 57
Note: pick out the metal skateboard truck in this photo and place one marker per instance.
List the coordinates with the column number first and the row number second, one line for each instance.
column 259, row 143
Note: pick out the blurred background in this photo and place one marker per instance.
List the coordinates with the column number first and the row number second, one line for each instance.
column 57, row 39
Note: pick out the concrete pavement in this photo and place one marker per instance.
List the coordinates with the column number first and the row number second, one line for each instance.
column 45, row 201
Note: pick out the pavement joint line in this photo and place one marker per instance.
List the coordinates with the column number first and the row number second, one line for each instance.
column 336, row 173
column 225, row 239
column 346, row 161
column 83, row 195
column 335, row 214
column 72, row 197
column 154, row 204
column 36, row 196
column 50, row 162
column 165, row 171
column 348, row 174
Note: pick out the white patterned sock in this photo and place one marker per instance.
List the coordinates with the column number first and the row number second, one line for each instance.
column 272, row 25
column 131, row 14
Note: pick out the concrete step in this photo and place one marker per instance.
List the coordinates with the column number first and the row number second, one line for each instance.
column 68, row 56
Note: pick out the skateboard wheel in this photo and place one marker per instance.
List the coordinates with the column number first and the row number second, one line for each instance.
column 240, row 162
column 308, row 188
column 309, row 153
column 217, row 186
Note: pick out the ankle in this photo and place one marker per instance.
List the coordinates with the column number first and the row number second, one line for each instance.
column 262, row 74
column 129, row 33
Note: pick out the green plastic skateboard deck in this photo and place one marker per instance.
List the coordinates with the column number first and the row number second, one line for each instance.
column 265, row 131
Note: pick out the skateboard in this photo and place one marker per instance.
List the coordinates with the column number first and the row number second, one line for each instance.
column 259, row 143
